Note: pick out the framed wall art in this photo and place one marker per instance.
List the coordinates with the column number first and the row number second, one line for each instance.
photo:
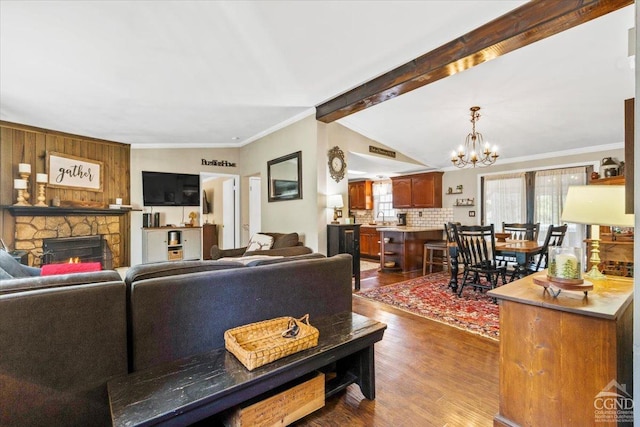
column 66, row 171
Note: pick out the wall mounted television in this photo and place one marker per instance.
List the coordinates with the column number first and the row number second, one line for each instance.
column 170, row 189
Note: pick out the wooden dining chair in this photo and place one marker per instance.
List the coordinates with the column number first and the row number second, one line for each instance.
column 476, row 249
column 522, row 231
column 555, row 237
column 519, row 231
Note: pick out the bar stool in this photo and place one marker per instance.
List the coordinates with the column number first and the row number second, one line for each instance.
column 436, row 252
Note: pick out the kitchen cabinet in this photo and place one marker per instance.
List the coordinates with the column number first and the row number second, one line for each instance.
column 404, row 249
column 369, row 242
column 361, row 195
column 417, row 191
column 170, row 244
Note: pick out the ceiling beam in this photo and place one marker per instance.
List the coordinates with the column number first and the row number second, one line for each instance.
column 529, row 23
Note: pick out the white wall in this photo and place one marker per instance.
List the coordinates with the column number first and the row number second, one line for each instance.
column 301, row 215
column 174, row 161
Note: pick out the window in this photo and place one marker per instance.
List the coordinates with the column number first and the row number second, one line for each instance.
column 551, row 188
column 504, row 199
column 383, row 200
column 536, row 196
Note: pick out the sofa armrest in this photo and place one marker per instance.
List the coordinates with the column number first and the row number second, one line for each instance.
column 217, row 253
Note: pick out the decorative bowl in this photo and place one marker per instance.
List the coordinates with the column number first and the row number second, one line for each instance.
column 390, row 264
column 502, row 237
column 387, row 239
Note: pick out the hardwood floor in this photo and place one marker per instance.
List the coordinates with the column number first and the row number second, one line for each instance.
column 427, row 373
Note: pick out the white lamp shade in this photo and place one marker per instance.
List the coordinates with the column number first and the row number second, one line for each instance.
column 597, row 204
column 24, row 168
column 20, row 184
column 42, row 177
column 335, row 201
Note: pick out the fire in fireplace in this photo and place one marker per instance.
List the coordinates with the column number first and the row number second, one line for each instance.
column 77, row 249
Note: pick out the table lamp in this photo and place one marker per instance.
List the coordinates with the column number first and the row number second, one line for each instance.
column 335, row 201
column 596, row 205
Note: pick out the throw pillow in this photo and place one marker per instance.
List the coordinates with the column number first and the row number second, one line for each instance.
column 259, row 242
column 286, row 241
column 11, row 266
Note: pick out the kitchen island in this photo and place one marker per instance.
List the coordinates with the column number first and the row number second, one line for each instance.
column 404, row 246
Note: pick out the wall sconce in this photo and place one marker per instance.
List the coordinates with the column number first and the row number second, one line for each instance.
column 335, row 201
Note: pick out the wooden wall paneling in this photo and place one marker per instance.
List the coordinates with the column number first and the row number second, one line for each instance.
column 35, row 143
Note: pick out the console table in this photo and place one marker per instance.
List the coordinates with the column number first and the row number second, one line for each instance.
column 191, row 389
column 558, row 354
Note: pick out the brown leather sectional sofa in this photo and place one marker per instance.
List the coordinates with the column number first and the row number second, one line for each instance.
column 59, row 345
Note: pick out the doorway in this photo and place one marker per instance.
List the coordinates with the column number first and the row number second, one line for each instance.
column 222, row 192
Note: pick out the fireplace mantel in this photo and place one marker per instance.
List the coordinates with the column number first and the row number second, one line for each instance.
column 59, row 211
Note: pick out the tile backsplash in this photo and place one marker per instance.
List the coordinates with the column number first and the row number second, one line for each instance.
column 429, row 217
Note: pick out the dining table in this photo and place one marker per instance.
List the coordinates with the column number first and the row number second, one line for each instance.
column 520, row 249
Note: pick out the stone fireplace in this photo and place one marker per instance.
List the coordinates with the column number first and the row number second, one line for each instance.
column 31, row 231
column 77, row 249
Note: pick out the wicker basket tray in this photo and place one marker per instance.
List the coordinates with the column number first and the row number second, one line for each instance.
column 257, row 344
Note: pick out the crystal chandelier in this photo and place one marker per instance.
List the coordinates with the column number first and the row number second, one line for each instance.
column 468, row 155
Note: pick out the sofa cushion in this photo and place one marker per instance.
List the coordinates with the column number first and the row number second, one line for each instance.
column 260, row 242
column 173, row 268
column 285, row 240
column 14, row 268
column 44, row 282
column 279, row 259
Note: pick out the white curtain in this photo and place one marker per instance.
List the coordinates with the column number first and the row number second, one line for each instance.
column 504, row 199
column 551, row 188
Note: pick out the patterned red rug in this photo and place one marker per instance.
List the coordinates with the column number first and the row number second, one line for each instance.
column 429, row 296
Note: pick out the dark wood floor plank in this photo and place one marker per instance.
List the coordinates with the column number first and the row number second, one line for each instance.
column 427, row 373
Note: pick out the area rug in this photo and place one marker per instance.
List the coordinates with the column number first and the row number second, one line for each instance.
column 429, row 296
column 368, row 265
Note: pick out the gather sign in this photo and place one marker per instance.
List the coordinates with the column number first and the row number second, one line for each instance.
column 70, row 171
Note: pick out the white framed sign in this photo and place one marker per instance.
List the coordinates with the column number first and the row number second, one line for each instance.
column 68, row 171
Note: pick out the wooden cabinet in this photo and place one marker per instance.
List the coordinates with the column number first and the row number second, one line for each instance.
column 629, row 128
column 369, row 242
column 361, row 195
column 558, row 356
column 405, row 248
column 418, row 191
column 345, row 239
column 209, row 238
column 616, row 256
column 171, row 244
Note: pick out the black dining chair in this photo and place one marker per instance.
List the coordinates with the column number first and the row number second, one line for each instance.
column 518, row 231
column 555, row 237
column 476, row 249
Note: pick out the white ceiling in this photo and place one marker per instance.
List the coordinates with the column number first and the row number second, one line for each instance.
column 221, row 74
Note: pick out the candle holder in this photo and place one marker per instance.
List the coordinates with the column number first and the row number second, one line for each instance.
column 564, row 272
column 41, row 179
column 20, row 185
column 24, row 170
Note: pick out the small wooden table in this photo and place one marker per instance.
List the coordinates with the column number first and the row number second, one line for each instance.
column 191, row 389
column 559, row 354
